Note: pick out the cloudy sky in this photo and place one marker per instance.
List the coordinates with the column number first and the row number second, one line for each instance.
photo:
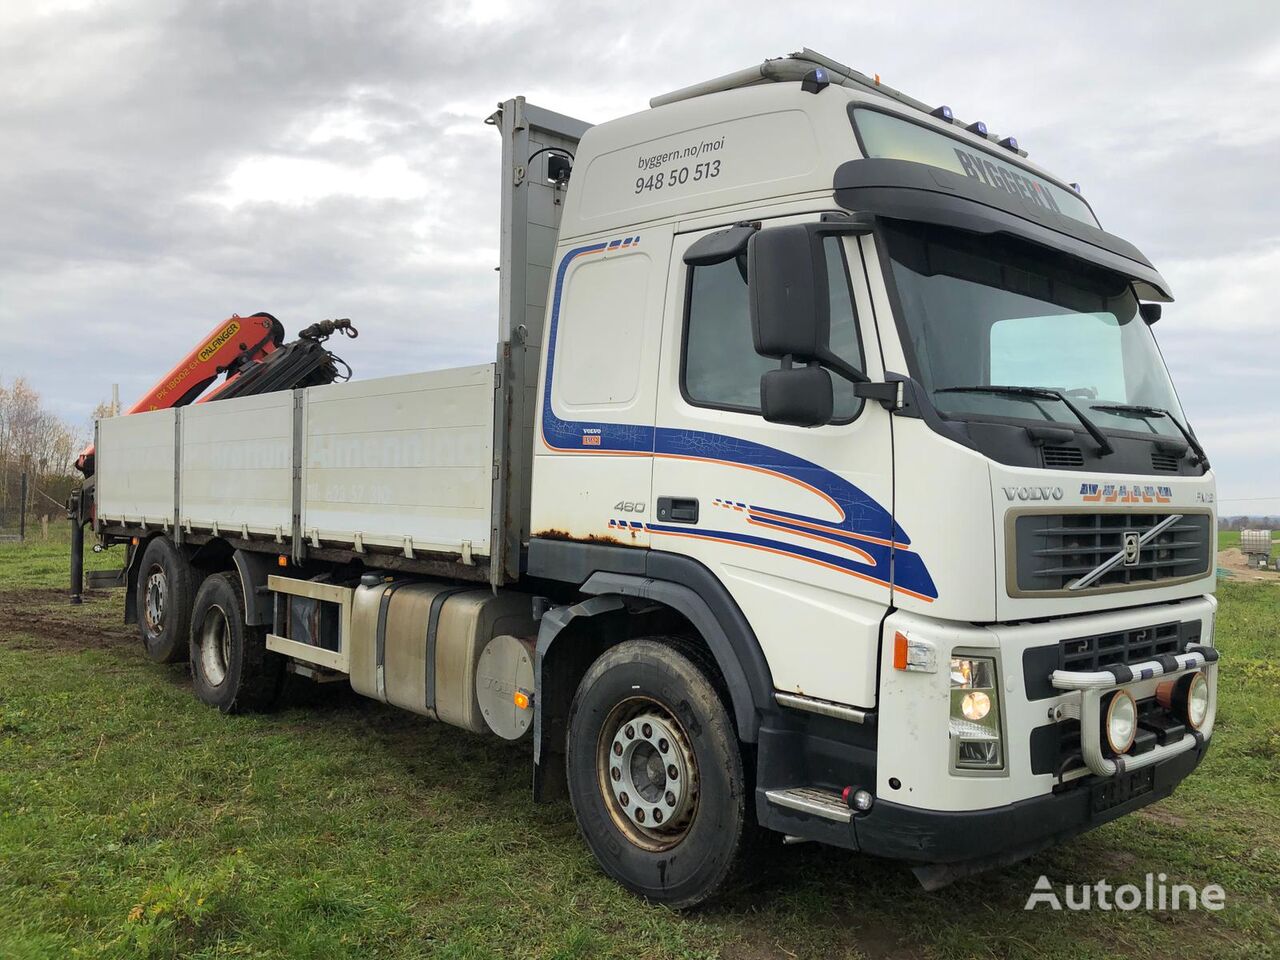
column 164, row 164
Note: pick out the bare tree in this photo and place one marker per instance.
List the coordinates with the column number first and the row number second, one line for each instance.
column 35, row 441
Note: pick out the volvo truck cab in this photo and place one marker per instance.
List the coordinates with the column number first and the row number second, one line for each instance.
column 893, row 392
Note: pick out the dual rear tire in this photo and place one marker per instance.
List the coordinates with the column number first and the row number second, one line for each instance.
column 184, row 615
column 231, row 667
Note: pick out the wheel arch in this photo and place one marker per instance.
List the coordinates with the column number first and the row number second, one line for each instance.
column 253, row 570
column 571, row 637
column 746, row 677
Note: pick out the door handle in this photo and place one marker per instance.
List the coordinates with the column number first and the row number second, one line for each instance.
column 678, row 509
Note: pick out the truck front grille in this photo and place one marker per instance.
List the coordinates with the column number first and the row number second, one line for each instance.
column 1050, row 551
column 1124, row 646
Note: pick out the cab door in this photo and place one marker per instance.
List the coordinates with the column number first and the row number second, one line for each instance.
column 796, row 522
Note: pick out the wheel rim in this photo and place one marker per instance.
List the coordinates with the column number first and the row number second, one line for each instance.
column 648, row 774
column 215, row 646
column 155, row 594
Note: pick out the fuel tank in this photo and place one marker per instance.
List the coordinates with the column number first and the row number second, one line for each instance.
column 416, row 644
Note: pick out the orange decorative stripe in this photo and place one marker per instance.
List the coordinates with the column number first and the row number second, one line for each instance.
column 862, row 554
column 792, row 556
column 757, row 512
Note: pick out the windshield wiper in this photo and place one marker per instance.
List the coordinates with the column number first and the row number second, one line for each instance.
column 1043, row 393
column 1143, row 410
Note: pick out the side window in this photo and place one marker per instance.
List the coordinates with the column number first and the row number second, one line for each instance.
column 604, row 309
column 721, row 366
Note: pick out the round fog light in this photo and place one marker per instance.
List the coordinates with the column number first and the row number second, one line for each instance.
column 975, row 705
column 1121, row 724
column 1197, row 700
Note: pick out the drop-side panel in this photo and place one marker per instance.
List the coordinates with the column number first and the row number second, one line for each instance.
column 403, row 462
column 135, row 468
column 237, row 466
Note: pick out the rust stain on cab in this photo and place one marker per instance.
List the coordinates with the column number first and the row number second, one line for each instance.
column 557, row 534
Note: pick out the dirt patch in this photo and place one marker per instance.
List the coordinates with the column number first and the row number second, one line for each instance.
column 1157, row 814
column 43, row 619
column 1234, row 560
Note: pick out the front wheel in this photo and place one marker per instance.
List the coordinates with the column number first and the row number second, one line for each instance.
column 655, row 773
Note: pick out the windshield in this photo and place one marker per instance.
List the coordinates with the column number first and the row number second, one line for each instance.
column 990, row 310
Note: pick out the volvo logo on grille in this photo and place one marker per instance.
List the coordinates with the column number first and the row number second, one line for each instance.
column 1132, row 548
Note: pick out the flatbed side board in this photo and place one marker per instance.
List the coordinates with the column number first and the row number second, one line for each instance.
column 136, row 464
column 398, row 463
column 401, row 457
column 237, row 465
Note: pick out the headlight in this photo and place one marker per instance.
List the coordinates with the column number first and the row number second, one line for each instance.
column 975, row 714
column 1121, row 722
column 975, row 705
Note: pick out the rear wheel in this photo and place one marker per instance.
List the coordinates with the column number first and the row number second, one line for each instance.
column 231, row 667
column 655, row 773
column 164, row 597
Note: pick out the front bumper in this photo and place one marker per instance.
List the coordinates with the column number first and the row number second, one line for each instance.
column 1006, row 834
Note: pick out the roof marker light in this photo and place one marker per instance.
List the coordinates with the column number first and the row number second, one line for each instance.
column 977, row 127
column 815, row 81
column 1010, row 143
column 1075, row 187
column 943, row 113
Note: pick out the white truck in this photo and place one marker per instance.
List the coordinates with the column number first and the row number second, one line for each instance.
column 827, row 480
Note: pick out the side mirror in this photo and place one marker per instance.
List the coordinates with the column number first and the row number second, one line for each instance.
column 797, row 396
column 789, row 297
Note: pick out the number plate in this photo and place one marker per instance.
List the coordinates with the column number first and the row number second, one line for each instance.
column 1123, row 788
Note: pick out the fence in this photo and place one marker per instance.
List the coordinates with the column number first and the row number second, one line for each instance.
column 26, row 512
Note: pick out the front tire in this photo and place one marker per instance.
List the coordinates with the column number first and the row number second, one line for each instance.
column 163, row 599
column 231, row 667
column 655, row 773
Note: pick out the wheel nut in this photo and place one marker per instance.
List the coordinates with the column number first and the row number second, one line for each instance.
column 647, row 730
column 672, row 772
column 630, row 732
column 624, row 799
column 657, row 815
column 616, row 774
column 663, row 746
column 670, row 798
column 639, row 815
column 617, row 749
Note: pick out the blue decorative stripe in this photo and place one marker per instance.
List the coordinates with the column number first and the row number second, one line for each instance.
column 860, row 515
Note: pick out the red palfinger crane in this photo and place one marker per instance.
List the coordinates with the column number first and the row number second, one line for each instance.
column 252, row 353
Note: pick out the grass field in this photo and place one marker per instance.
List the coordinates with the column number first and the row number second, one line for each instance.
column 135, row 822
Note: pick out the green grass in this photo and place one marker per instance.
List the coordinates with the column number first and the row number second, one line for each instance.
column 135, row 822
